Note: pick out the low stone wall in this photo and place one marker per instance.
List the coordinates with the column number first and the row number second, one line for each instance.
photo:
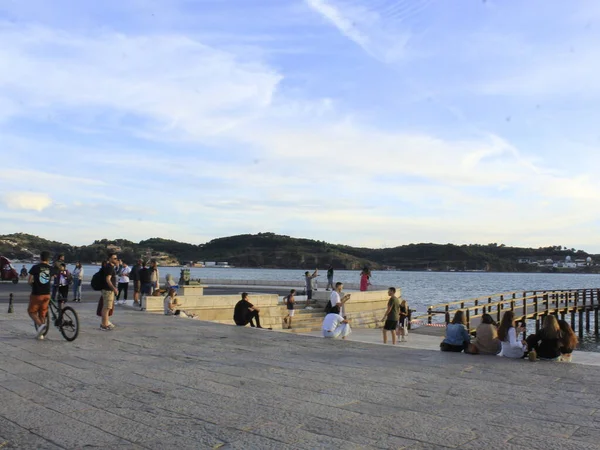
column 219, row 308
column 364, row 309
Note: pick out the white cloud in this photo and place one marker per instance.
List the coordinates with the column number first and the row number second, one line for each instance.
column 27, row 200
column 379, row 35
column 163, row 85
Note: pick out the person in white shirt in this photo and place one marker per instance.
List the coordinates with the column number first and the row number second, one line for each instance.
column 123, row 282
column 336, row 302
column 335, row 326
column 77, row 282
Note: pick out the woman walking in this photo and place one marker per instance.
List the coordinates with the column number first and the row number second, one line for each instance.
column 365, row 275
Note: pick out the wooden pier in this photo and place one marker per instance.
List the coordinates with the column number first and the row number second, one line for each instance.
column 573, row 305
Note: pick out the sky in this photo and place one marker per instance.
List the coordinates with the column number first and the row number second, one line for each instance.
column 363, row 122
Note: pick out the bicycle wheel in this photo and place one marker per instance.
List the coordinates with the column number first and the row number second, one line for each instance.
column 69, row 324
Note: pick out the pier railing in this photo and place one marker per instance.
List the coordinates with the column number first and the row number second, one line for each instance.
column 527, row 305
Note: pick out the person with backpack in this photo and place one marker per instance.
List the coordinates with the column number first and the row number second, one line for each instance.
column 290, row 300
column 109, row 291
column 145, row 277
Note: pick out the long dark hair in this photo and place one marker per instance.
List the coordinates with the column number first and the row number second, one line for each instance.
column 459, row 317
column 550, row 328
column 568, row 337
column 488, row 320
column 508, row 321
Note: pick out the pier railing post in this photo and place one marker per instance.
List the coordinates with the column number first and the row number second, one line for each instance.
column 447, row 314
column 525, row 305
column 429, row 315
column 476, row 304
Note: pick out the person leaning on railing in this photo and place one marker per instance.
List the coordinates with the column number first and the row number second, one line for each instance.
column 457, row 335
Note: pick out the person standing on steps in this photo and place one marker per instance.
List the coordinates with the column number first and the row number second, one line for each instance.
column 308, row 286
column 289, row 302
column 109, row 291
column 391, row 316
column 336, row 303
column 329, row 278
column 39, row 280
column 245, row 313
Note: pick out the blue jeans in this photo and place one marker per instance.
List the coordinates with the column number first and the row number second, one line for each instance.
column 77, row 288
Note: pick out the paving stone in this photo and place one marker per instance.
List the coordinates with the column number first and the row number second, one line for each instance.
column 150, row 384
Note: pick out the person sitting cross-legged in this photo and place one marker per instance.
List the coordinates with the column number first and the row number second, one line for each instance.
column 335, row 326
column 457, row 335
column 568, row 341
column 245, row 312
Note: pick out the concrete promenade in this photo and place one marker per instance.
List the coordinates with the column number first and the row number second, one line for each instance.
column 164, row 382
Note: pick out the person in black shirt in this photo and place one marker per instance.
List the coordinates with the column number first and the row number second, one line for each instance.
column 145, row 275
column 39, row 279
column 244, row 313
column 134, row 276
column 109, row 291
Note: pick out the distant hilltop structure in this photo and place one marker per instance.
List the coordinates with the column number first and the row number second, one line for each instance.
column 567, row 263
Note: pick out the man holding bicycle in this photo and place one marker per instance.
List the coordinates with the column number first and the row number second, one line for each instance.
column 39, row 280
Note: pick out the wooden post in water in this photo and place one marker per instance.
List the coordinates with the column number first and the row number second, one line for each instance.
column 580, row 323
column 587, row 310
column 596, row 320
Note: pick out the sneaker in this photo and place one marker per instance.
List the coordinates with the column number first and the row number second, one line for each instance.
column 40, row 330
column 40, row 337
column 111, row 325
column 308, row 307
column 103, row 328
column 532, row 355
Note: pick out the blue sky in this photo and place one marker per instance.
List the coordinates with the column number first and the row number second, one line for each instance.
column 365, row 122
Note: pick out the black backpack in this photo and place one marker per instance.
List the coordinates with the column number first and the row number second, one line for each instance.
column 98, row 280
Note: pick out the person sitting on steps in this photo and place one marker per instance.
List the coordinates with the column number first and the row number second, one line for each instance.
column 486, row 341
column 457, row 335
column 245, row 313
column 568, row 341
column 546, row 343
column 508, row 334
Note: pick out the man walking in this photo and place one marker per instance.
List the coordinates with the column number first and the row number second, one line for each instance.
column 245, row 312
column 329, row 278
column 391, row 316
column 109, row 291
column 308, row 286
column 123, row 286
column 335, row 326
column 39, row 280
column 145, row 282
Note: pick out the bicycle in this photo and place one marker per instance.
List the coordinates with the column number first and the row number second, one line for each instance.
column 65, row 319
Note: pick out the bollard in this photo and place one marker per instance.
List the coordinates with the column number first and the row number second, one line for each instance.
column 10, row 304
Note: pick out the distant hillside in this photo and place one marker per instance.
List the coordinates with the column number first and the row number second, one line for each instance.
column 270, row 250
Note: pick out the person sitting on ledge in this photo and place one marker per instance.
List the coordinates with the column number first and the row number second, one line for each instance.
column 486, row 341
column 457, row 335
column 245, row 312
column 335, row 326
column 172, row 305
column 546, row 343
column 568, row 341
column 508, row 335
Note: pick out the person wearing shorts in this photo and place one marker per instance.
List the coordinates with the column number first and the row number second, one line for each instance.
column 289, row 303
column 391, row 316
column 39, row 280
column 109, row 291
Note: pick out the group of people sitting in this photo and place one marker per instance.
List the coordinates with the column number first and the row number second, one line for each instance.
column 555, row 341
